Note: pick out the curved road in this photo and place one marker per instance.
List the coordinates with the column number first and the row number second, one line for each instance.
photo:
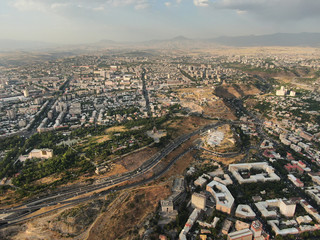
column 66, row 196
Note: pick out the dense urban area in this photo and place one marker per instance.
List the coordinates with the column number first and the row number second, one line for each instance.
column 159, row 144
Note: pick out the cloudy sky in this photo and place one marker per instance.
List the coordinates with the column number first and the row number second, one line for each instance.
column 82, row 21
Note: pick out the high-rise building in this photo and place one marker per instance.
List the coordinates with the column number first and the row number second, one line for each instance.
column 26, row 92
column 287, row 208
column 281, row 92
column 256, row 228
column 198, row 201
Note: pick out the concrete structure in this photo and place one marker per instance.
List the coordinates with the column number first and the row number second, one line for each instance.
column 178, row 188
column 266, row 144
column 224, row 199
column 258, row 232
column 226, row 227
column 245, row 211
column 224, row 179
column 309, row 209
column 307, row 136
column 11, row 114
column 287, row 207
column 215, row 221
column 41, row 153
column 291, row 230
column 292, row 93
column 294, row 168
column 22, row 123
column 198, row 201
column 215, row 138
column 101, row 169
column 315, row 177
column 281, row 92
column 304, row 219
column 262, row 207
column 241, row 225
column 256, row 228
column 269, row 174
column 192, row 219
column 209, row 225
column 314, row 193
column 166, row 206
column 178, row 185
column 274, row 225
column 295, row 147
column 244, row 234
column 295, row 181
column 26, row 92
column 201, row 181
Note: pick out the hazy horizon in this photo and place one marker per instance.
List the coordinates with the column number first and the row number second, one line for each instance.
column 80, row 21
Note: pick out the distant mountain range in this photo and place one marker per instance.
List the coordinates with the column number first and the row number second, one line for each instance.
column 277, row 39
column 180, row 42
column 7, row 45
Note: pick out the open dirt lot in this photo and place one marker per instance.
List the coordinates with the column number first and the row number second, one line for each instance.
column 116, row 129
column 204, row 100
column 128, row 211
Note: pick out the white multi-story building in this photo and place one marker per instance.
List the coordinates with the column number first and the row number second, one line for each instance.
column 41, row 153
column 224, row 199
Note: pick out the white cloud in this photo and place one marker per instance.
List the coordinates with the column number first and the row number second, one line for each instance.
column 241, row 12
column 137, row 4
column 58, row 5
column 167, row 4
column 40, row 5
column 201, row 3
column 141, row 6
column 273, row 10
column 95, row 5
column 29, row 5
column 100, row 8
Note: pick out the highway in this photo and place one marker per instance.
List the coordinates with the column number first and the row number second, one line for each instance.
column 69, row 196
column 145, row 93
column 74, row 195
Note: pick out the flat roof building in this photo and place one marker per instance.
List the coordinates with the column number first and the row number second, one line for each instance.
column 245, row 211
column 314, row 193
column 198, row 201
column 41, row 153
column 287, row 207
column 226, row 227
column 241, row 225
column 224, row 199
column 244, row 234
column 192, row 219
column 268, row 174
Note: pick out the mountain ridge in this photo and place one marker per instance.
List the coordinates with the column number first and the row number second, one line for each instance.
column 304, row 39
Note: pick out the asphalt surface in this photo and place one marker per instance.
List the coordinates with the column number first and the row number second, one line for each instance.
column 65, row 196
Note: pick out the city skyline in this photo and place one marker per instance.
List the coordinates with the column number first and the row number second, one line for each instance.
column 71, row 21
